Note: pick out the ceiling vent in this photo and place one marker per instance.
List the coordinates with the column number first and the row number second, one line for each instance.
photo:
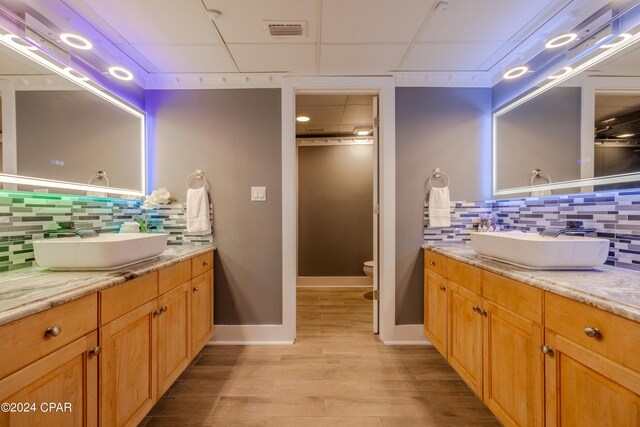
column 286, row 28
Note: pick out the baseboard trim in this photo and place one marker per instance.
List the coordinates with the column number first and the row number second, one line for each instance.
column 334, row 281
column 249, row 335
column 408, row 335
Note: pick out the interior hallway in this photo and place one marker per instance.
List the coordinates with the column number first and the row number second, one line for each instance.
column 336, row 374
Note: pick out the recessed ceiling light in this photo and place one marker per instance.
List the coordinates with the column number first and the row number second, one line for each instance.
column 76, row 41
column 17, row 42
column 561, row 73
column 303, row 119
column 516, row 72
column 561, row 40
column 70, row 72
column 616, row 41
column 121, row 73
column 625, row 135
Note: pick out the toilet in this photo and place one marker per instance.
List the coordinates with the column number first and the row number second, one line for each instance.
column 368, row 268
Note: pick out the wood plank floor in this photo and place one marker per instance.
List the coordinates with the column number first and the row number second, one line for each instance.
column 337, row 374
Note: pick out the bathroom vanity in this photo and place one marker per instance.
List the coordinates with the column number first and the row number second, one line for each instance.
column 98, row 348
column 538, row 347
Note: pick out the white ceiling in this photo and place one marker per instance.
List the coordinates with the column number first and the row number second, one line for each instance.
column 355, row 37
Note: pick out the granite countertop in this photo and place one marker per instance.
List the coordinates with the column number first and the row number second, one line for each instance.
column 31, row 290
column 612, row 289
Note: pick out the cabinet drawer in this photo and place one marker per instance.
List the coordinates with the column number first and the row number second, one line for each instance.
column 618, row 339
column 121, row 299
column 174, row 276
column 201, row 263
column 435, row 262
column 465, row 275
column 28, row 338
column 518, row 297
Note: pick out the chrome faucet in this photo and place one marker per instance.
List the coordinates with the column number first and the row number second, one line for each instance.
column 573, row 228
column 69, row 228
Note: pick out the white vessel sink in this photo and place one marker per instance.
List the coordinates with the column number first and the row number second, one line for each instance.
column 536, row 252
column 105, row 252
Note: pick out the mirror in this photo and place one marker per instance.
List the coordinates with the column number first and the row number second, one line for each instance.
column 579, row 134
column 59, row 131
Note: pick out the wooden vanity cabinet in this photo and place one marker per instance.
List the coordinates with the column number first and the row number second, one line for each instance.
column 68, row 376
column 592, row 369
column 436, row 310
column 202, row 328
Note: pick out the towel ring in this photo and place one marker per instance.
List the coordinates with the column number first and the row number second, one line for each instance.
column 437, row 174
column 537, row 173
column 198, row 174
column 99, row 176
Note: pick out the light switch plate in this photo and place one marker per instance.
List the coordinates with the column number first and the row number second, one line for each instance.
column 258, row 194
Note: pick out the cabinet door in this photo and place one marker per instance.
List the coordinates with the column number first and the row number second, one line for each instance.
column 584, row 388
column 201, row 310
column 465, row 335
column 174, row 335
column 127, row 367
column 513, row 368
column 435, row 311
column 62, row 386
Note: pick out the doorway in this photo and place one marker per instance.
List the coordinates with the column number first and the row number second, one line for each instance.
column 337, row 233
column 385, row 89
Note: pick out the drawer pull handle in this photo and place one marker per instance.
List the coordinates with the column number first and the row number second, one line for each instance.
column 442, row 288
column 546, row 349
column 592, row 332
column 477, row 309
column 164, row 309
column 95, row 351
column 195, row 289
column 485, row 313
column 53, row 331
column 205, row 263
column 433, row 263
column 156, row 312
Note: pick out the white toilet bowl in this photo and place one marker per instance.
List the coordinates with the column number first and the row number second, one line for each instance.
column 368, row 268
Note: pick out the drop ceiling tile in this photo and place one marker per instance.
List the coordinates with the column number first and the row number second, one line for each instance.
column 481, row 20
column 360, row 100
column 321, row 99
column 293, row 58
column 241, row 21
column 321, row 115
column 358, row 114
column 462, row 56
column 187, row 58
column 364, row 21
column 349, row 59
column 317, row 130
column 153, row 21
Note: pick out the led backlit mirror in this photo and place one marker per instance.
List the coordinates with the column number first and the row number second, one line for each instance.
column 62, row 132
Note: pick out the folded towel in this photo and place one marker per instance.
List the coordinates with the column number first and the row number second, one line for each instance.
column 439, row 213
column 198, row 218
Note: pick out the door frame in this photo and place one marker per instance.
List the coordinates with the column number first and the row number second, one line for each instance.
column 384, row 87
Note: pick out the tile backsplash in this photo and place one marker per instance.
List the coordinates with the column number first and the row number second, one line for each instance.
column 614, row 214
column 25, row 217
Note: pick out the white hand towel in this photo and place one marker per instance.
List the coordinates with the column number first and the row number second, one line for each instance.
column 198, row 217
column 439, row 213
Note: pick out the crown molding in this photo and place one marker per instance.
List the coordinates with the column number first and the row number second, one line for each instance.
column 214, row 81
column 443, row 79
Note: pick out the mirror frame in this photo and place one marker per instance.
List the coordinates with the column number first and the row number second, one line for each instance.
column 586, row 126
column 9, row 124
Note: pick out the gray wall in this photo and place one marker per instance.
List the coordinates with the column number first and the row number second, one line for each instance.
column 234, row 136
column 543, row 133
column 449, row 128
column 335, row 200
column 84, row 131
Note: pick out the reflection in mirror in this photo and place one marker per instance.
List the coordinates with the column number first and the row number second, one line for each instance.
column 67, row 136
column 582, row 134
